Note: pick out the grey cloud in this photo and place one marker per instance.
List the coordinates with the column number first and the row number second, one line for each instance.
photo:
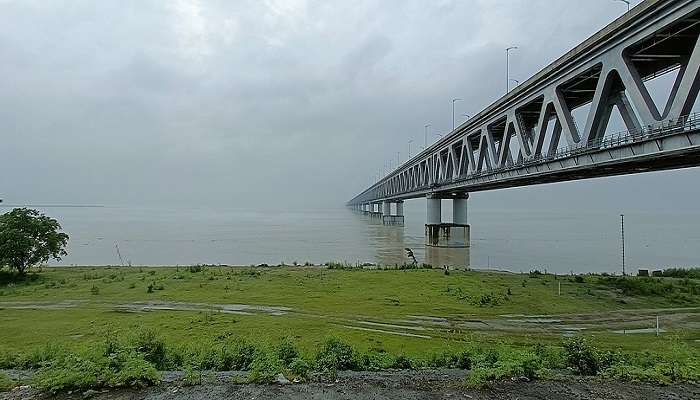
column 236, row 103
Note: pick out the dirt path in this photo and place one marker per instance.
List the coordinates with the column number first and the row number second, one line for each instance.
column 404, row 385
column 422, row 326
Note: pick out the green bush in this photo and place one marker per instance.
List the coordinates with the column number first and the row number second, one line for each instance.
column 335, row 355
column 6, row 383
column 194, row 377
column 508, row 365
column 95, row 370
column 237, row 354
column 39, row 356
column 152, row 347
column 580, row 356
column 372, row 361
column 8, row 359
column 447, row 359
column 286, row 351
column 264, row 368
column 298, row 369
column 692, row 273
column 401, row 362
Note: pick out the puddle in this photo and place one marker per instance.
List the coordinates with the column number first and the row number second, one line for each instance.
column 361, row 328
column 428, row 318
column 385, row 325
column 22, row 305
column 245, row 309
column 535, row 321
column 640, row 330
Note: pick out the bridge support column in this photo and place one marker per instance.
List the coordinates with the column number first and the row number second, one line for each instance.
column 395, row 219
column 451, row 235
column 376, row 210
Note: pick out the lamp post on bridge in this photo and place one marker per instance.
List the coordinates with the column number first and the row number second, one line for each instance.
column 508, row 66
column 453, row 113
column 426, row 135
column 626, row 2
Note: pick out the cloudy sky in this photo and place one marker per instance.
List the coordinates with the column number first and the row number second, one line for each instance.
column 244, row 102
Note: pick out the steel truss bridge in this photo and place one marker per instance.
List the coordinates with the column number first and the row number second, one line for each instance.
column 509, row 144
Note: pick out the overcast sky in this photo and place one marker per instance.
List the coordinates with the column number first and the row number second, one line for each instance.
column 242, row 103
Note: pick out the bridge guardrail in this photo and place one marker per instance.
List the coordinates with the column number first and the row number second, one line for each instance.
column 665, row 128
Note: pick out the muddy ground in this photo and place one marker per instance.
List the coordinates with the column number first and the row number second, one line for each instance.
column 422, row 326
column 404, row 385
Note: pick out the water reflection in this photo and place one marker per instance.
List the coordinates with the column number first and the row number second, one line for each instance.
column 390, row 244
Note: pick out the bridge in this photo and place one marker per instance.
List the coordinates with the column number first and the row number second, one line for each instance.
column 531, row 136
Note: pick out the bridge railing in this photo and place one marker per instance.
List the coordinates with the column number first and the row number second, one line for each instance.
column 665, row 128
column 623, row 138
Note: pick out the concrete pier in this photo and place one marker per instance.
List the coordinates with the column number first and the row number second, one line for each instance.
column 450, row 235
column 396, row 219
column 376, row 210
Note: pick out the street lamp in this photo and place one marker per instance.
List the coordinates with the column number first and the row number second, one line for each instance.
column 426, row 135
column 453, row 113
column 508, row 67
column 626, row 2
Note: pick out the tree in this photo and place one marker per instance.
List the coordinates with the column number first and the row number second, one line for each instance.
column 28, row 237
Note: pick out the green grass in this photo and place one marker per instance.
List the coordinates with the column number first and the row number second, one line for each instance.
column 323, row 303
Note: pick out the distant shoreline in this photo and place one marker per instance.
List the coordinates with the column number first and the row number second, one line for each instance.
column 53, row 205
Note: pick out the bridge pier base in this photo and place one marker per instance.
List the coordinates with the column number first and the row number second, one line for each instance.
column 449, row 235
column 395, row 219
column 375, row 210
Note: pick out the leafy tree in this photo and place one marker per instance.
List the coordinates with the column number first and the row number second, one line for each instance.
column 28, row 237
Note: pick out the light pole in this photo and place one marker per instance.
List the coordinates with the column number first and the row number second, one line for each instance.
column 426, row 135
column 622, row 239
column 453, row 113
column 626, row 2
column 508, row 67
column 409, row 149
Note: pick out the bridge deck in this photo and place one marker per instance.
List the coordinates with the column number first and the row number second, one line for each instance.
column 510, row 143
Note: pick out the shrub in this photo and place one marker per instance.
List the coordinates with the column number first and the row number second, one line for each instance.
column 401, row 362
column 152, row 347
column 514, row 364
column 39, row 356
column 692, row 273
column 195, row 268
column 237, row 354
column 72, row 371
column 580, row 356
column 194, row 377
column 372, row 361
column 286, row 351
column 6, row 383
column 447, row 359
column 298, row 369
column 264, row 368
column 335, row 355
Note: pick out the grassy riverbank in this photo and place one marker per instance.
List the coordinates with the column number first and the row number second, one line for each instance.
column 415, row 314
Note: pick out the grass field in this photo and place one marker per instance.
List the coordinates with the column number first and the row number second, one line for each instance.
column 410, row 314
column 77, row 306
